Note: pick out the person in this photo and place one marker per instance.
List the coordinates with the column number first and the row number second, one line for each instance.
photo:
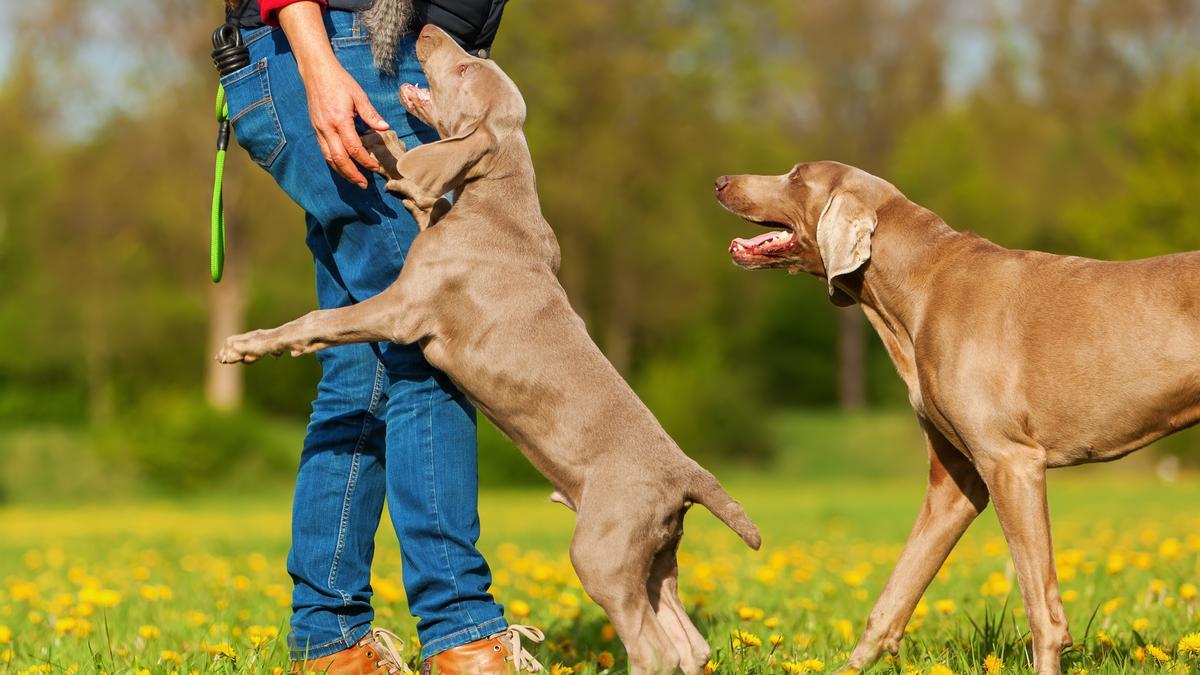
column 385, row 424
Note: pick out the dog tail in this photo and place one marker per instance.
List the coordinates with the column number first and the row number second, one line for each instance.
column 707, row 490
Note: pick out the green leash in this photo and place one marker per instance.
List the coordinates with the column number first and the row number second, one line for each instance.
column 217, row 238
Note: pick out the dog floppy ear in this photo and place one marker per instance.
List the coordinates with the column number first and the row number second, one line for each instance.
column 430, row 171
column 844, row 239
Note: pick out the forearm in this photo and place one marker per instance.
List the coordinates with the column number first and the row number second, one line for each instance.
column 304, row 26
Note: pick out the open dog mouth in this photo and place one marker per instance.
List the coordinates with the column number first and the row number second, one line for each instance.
column 770, row 245
column 415, row 95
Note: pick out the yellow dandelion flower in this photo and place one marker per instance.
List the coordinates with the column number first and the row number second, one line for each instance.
column 1170, row 548
column 169, row 656
column 776, row 640
column 35, row 618
column 845, row 629
column 1111, row 606
column 750, row 614
column 992, row 665
column 605, row 660
column 143, row 671
column 939, row 669
column 814, row 665
column 1115, row 563
column 1189, row 644
column 1187, row 591
column 710, row 667
column 1104, row 639
column 5, row 635
column 743, row 638
column 22, row 591
column 222, row 650
column 65, row 625
column 1158, row 654
column 6, row 656
column 519, row 608
column 608, row 633
column 560, row 669
column 149, row 632
column 771, row 623
column 922, row 609
column 101, row 597
column 945, row 606
column 1139, row 654
column 996, row 585
column 766, row 575
column 1141, row 624
column 1070, row 596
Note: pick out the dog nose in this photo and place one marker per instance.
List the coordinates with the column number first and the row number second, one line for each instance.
column 722, row 181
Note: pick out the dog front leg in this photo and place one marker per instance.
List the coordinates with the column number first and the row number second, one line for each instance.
column 383, row 317
column 1016, row 477
column 955, row 496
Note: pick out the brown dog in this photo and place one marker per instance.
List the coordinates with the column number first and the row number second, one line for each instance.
column 1015, row 361
column 479, row 294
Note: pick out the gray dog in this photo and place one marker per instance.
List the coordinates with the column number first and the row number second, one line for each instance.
column 1016, row 362
column 479, row 294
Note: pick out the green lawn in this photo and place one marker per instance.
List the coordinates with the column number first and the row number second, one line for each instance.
column 200, row 585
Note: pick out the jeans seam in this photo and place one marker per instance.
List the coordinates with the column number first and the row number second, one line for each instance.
column 437, row 518
column 351, row 483
column 477, row 632
column 307, row 652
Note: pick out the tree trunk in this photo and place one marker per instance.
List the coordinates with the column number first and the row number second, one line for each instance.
column 851, row 353
column 223, row 384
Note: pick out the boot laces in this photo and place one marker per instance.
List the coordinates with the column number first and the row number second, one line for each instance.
column 523, row 660
column 385, row 644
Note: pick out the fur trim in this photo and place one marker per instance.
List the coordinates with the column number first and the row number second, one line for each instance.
column 387, row 22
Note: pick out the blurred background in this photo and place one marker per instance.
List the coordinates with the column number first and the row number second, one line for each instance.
column 1066, row 125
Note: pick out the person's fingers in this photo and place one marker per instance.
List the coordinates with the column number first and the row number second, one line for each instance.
column 354, row 148
column 368, row 113
column 323, row 145
column 341, row 161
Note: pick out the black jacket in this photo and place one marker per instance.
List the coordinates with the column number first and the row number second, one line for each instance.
column 473, row 23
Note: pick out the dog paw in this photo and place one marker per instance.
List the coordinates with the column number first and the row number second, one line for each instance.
column 245, row 348
column 387, row 149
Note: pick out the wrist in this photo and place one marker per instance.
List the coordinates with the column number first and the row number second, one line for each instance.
column 304, row 27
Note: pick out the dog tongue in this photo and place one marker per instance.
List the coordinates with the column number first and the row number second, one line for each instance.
column 751, row 243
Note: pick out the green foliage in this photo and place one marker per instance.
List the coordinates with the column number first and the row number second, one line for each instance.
column 1066, row 125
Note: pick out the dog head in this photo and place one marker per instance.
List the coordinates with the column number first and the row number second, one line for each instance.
column 822, row 215
column 466, row 93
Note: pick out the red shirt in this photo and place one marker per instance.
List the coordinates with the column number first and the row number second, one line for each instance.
column 269, row 9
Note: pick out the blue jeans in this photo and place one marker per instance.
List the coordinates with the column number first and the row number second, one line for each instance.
column 385, row 422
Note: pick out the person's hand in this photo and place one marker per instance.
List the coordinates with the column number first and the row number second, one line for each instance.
column 334, row 97
column 334, row 100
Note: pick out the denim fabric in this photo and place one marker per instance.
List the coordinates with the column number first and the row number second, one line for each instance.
column 385, row 424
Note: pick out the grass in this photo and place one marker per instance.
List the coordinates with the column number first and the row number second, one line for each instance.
column 200, row 585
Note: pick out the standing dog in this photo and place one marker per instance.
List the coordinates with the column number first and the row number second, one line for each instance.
column 479, row 294
column 1015, row 361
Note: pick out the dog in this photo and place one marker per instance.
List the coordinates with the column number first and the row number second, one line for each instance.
column 1015, row 362
column 479, row 294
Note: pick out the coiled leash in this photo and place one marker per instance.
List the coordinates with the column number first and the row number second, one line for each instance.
column 229, row 54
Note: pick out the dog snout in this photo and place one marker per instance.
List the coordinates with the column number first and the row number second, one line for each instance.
column 722, row 182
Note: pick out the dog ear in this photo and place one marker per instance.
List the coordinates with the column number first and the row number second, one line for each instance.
column 433, row 170
column 844, row 240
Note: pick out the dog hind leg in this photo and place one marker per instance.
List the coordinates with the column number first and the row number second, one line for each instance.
column 612, row 557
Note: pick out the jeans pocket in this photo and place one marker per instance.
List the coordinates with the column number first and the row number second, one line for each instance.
column 252, row 113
